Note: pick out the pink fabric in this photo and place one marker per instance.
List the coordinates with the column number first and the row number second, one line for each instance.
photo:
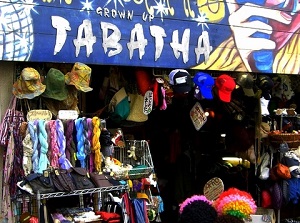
column 53, row 145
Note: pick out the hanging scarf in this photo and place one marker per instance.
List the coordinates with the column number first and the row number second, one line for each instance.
column 33, row 129
column 80, row 142
column 86, row 142
column 90, row 135
column 42, row 136
column 61, row 141
column 53, row 147
column 6, row 199
column 27, row 153
column 140, row 210
column 96, row 143
column 70, row 145
column 17, row 172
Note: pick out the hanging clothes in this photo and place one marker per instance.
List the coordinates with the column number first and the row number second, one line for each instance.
column 17, row 173
column 140, row 208
column 6, row 211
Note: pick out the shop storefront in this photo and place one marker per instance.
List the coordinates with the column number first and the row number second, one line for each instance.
column 136, row 45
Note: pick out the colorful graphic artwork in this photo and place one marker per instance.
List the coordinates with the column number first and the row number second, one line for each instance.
column 232, row 35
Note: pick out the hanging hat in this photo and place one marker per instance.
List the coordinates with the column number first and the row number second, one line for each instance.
column 284, row 89
column 265, row 83
column 29, row 84
column 225, row 85
column 205, row 82
column 246, row 82
column 55, row 85
column 180, row 80
column 79, row 77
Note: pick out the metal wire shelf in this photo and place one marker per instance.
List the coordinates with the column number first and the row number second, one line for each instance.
column 80, row 192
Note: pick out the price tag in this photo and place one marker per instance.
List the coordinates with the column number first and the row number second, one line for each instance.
column 67, row 114
column 213, row 188
column 39, row 114
column 198, row 116
column 148, row 102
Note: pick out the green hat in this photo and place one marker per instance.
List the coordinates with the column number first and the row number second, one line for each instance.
column 55, row 85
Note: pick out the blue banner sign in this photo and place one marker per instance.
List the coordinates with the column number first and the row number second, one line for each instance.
column 192, row 34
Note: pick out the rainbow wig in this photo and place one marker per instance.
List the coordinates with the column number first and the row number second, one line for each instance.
column 236, row 203
column 197, row 209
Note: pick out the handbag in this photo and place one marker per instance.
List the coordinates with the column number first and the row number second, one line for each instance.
column 40, row 182
column 62, row 180
column 6, row 121
column 100, row 180
column 81, row 178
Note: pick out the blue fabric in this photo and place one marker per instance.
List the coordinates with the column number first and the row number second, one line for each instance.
column 43, row 137
column 294, row 188
column 80, row 142
column 139, row 208
column 32, row 126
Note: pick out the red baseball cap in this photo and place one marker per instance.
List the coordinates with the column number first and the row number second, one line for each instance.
column 225, row 85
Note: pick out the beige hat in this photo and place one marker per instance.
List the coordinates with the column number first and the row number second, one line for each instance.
column 79, row 77
column 29, row 84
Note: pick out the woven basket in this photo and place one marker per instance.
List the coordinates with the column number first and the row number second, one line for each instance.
column 292, row 139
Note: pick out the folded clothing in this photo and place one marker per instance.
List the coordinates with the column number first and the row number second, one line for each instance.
column 109, row 217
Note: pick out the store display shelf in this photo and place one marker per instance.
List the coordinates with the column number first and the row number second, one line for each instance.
column 85, row 191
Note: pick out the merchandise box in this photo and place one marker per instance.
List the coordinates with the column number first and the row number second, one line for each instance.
column 263, row 215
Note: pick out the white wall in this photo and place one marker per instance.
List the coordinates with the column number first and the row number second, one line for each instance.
column 7, row 73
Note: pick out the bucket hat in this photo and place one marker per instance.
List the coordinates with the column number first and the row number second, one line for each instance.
column 29, row 84
column 55, row 85
column 79, row 76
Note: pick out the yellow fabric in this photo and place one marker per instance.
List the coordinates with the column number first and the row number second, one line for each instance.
column 96, row 143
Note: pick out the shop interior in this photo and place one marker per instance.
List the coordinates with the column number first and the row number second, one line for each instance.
column 184, row 158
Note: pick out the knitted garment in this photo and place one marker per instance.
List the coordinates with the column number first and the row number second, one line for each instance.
column 64, row 163
column 42, row 136
column 54, row 150
column 33, row 128
column 27, row 153
column 86, row 142
column 80, row 142
column 96, row 143
column 70, row 144
column 89, row 136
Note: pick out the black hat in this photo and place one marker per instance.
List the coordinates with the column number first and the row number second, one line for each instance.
column 180, row 80
column 265, row 83
column 246, row 82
